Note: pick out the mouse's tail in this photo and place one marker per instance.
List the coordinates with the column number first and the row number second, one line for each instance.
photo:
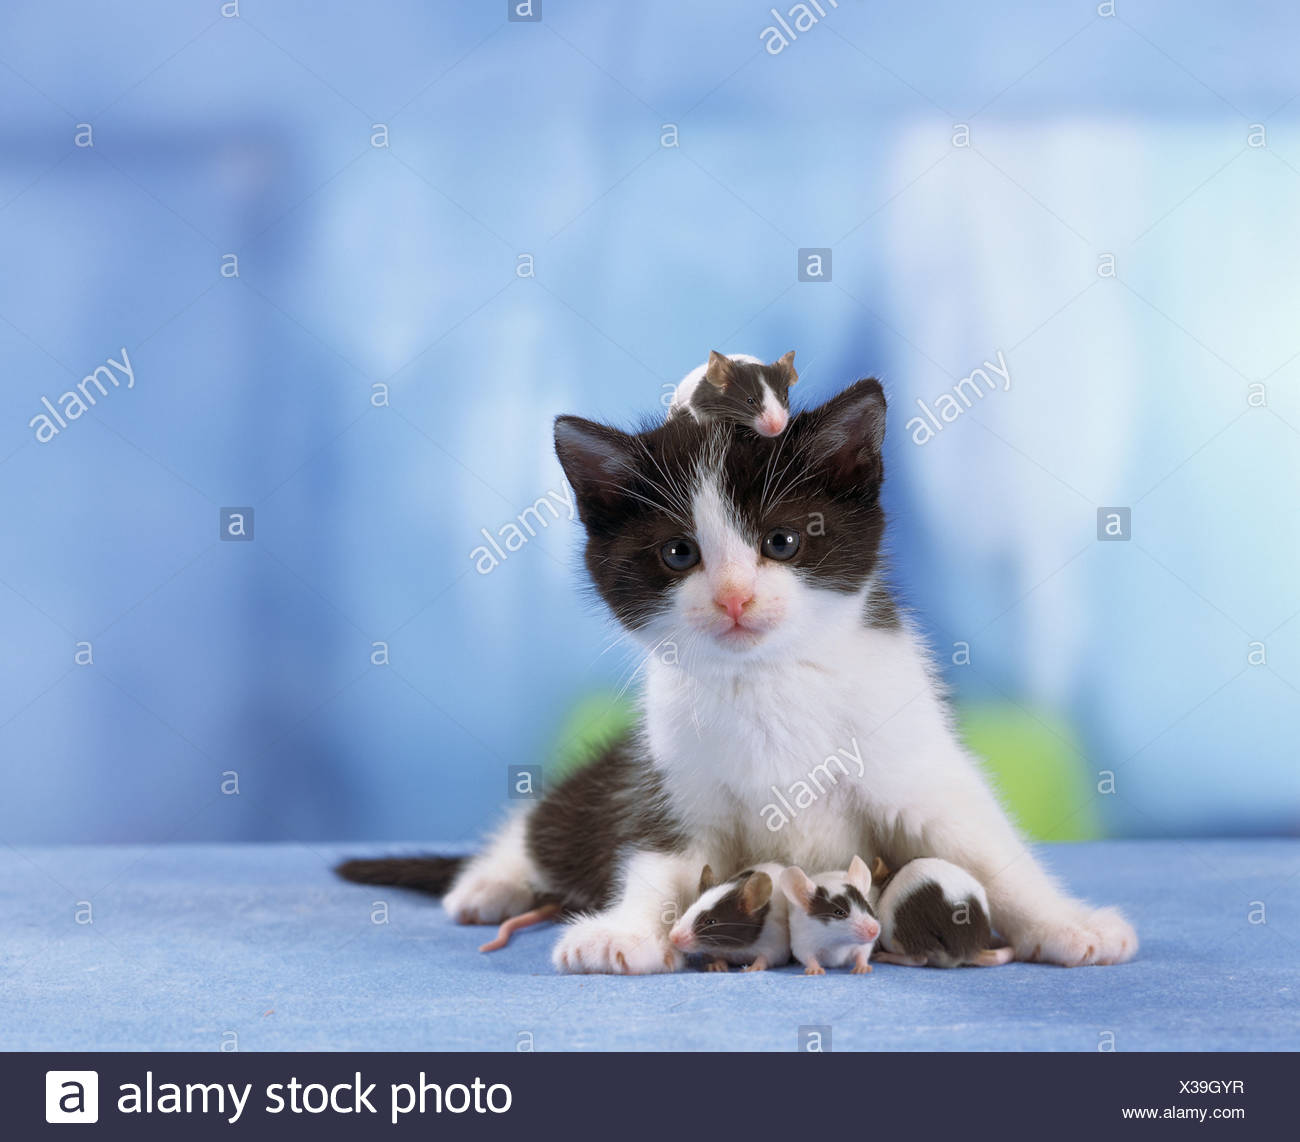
column 431, row 874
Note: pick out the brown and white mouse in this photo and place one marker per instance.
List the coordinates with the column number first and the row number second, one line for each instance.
column 740, row 389
column 933, row 913
column 743, row 920
column 832, row 921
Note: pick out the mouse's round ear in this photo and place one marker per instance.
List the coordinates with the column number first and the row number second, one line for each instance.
column 798, row 887
column 860, row 875
column 786, row 364
column 707, row 880
column 721, row 370
column 879, row 871
column 756, row 893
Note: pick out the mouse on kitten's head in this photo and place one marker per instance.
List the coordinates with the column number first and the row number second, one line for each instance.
column 740, row 389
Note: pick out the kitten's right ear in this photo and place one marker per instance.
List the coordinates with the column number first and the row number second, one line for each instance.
column 798, row 887
column 879, row 871
column 721, row 370
column 848, row 430
column 596, row 460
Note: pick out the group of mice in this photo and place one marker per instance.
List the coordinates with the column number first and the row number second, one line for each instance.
column 929, row 912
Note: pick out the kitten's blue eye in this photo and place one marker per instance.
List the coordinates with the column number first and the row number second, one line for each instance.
column 680, row 554
column 781, row 543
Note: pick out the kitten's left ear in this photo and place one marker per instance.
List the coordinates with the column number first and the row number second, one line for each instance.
column 596, row 460
column 786, row 365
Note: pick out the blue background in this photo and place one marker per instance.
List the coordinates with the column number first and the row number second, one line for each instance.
column 363, row 265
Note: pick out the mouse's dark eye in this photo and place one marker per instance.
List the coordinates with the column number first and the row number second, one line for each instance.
column 679, row 554
column 749, row 401
column 707, row 921
column 842, row 913
column 781, row 543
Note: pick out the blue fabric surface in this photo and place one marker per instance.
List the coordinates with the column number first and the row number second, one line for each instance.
column 191, row 944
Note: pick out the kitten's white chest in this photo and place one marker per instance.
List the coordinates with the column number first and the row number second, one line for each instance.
column 759, row 774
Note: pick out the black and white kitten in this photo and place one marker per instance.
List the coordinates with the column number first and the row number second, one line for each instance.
column 748, row 571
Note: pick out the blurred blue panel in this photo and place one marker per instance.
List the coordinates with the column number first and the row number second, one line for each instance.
column 377, row 381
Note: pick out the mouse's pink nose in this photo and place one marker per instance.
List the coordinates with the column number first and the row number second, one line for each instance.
column 681, row 938
column 734, row 600
column 868, row 929
column 773, row 423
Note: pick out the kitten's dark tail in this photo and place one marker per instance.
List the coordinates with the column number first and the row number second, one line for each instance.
column 431, row 874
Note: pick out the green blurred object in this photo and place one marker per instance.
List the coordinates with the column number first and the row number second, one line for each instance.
column 594, row 721
column 1038, row 768
column 1035, row 761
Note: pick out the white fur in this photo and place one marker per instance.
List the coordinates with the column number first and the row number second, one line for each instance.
column 739, row 710
column 631, row 938
column 772, row 409
column 498, row 883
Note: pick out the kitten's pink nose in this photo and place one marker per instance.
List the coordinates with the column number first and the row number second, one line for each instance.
column 734, row 600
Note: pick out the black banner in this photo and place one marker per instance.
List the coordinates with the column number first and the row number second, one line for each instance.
column 644, row 1096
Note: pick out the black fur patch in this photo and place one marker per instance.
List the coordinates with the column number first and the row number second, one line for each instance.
column 820, row 477
column 824, row 906
column 431, row 874
column 578, row 831
column 727, row 926
column 925, row 924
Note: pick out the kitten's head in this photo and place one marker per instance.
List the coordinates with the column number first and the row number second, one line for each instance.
column 729, row 545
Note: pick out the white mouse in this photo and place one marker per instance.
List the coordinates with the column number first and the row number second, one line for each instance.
column 832, row 922
column 743, row 920
column 934, row 913
column 740, row 389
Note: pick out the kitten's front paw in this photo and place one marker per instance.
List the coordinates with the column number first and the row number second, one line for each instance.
column 1102, row 936
column 478, row 897
column 599, row 946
